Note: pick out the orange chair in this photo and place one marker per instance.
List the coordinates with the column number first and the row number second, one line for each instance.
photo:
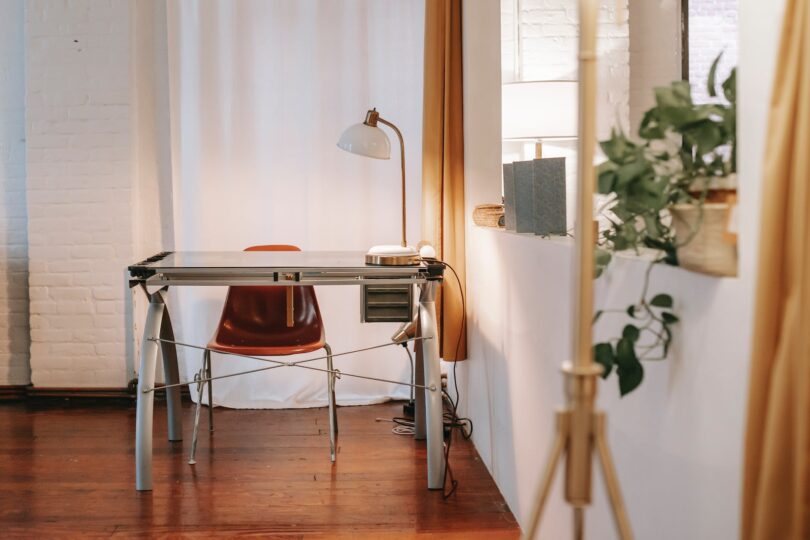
column 255, row 321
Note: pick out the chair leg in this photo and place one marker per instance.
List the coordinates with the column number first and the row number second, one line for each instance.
column 207, row 363
column 200, row 386
column 332, row 406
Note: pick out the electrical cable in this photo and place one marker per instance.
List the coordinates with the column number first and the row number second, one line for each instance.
column 463, row 321
column 456, row 422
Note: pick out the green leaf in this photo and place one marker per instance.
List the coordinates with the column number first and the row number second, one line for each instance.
column 634, row 170
column 624, row 237
column 661, row 300
column 711, row 84
column 652, row 226
column 617, row 147
column 630, row 377
column 602, row 256
column 603, row 354
column 629, row 369
column 730, row 88
column 705, row 135
column 631, row 332
column 607, row 180
column 677, row 95
column 597, row 315
column 669, row 318
column 667, row 340
column 625, row 353
column 667, row 246
column 631, row 311
column 602, row 259
column 650, row 127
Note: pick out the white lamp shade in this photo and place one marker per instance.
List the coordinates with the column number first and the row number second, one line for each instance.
column 366, row 141
column 539, row 109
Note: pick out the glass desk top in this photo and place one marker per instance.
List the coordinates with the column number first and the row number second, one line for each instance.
column 286, row 267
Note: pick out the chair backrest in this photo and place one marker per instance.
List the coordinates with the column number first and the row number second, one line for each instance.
column 273, row 247
column 261, row 310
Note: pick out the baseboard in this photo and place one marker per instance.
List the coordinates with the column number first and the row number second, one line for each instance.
column 13, row 392
column 28, row 392
column 35, row 392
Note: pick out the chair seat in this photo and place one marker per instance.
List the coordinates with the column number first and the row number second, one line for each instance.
column 256, row 346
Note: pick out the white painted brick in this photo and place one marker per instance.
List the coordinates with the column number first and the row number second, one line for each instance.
column 42, row 335
column 80, row 173
column 69, row 293
column 712, row 30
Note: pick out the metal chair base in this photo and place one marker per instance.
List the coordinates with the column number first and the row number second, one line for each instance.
column 203, row 377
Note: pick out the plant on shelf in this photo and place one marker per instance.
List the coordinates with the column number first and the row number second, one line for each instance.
column 659, row 186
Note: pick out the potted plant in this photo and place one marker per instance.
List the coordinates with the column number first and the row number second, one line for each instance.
column 695, row 147
column 672, row 190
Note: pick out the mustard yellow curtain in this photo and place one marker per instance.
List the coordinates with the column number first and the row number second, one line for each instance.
column 776, row 490
column 443, row 165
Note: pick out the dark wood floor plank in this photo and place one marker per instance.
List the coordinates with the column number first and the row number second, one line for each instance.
column 69, row 471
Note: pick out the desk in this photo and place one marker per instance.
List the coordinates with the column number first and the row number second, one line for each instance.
column 280, row 268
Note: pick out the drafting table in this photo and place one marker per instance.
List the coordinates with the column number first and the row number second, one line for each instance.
column 276, row 268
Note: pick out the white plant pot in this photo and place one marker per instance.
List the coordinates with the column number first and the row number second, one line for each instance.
column 711, row 250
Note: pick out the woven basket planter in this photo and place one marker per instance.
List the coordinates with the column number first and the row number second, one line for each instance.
column 712, row 249
column 488, row 215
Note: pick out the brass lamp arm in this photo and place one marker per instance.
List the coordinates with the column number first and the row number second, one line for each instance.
column 372, row 117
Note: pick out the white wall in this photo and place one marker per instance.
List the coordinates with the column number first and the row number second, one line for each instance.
column 80, row 179
column 14, row 336
column 677, row 440
column 655, row 52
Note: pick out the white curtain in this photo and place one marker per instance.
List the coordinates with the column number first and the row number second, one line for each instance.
column 259, row 92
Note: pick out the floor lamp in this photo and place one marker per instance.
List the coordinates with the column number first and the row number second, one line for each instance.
column 580, row 430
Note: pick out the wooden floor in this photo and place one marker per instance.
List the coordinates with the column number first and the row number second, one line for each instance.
column 68, row 471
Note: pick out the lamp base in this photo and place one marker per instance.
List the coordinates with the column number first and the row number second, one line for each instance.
column 392, row 256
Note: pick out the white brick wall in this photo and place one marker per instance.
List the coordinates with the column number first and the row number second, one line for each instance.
column 14, row 340
column 549, row 31
column 80, row 177
column 712, row 29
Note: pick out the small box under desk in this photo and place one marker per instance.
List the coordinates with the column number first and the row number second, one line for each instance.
column 386, row 303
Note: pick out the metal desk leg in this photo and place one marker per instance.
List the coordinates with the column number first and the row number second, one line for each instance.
column 419, row 397
column 433, row 398
column 146, row 401
column 171, row 374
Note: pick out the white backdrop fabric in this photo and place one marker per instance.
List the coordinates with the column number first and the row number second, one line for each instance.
column 259, row 92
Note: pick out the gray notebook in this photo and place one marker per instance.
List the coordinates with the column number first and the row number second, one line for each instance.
column 509, row 196
column 524, row 196
column 549, row 196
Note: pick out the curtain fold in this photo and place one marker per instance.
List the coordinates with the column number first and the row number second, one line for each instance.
column 776, row 490
column 443, row 166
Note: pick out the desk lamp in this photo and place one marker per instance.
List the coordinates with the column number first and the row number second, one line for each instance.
column 366, row 139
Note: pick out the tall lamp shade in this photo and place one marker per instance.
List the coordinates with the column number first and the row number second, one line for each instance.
column 537, row 110
column 368, row 140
